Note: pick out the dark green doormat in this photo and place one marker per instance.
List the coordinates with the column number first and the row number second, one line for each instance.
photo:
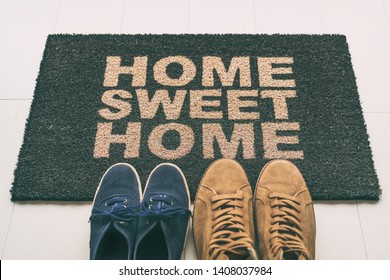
column 191, row 99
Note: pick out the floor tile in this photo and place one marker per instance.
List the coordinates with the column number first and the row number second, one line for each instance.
column 24, row 26
column 13, row 114
column 386, row 7
column 90, row 16
column 156, row 17
column 375, row 216
column 339, row 235
column 288, row 17
column 222, row 16
column 45, row 231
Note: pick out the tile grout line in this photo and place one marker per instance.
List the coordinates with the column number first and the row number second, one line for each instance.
column 254, row 14
column 57, row 13
column 188, row 16
column 361, row 230
column 319, row 12
column 123, row 15
column 8, row 229
column 386, row 16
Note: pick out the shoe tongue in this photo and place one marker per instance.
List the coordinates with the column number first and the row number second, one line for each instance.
column 123, row 228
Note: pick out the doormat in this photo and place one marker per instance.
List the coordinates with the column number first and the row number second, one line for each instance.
column 189, row 100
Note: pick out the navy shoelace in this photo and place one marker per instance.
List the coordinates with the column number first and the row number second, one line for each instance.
column 118, row 212
column 161, row 208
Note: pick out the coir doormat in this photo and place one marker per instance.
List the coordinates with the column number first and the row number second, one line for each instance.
column 189, row 100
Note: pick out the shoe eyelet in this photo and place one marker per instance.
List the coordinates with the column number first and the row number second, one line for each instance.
column 151, row 199
column 105, row 204
column 124, row 206
column 147, row 222
column 121, row 222
column 171, row 203
column 150, row 207
column 125, row 200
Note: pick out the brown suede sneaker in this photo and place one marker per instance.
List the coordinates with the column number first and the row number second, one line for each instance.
column 285, row 221
column 223, row 214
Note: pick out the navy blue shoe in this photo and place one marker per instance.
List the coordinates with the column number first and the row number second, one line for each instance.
column 114, row 214
column 164, row 216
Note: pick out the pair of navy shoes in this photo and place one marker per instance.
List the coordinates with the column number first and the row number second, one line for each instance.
column 129, row 224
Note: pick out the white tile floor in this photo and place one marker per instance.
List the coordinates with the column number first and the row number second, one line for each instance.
column 345, row 230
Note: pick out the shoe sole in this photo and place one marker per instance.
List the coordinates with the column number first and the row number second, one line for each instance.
column 188, row 195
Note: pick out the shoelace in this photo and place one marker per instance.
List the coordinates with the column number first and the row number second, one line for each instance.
column 118, row 212
column 229, row 235
column 286, row 232
column 162, row 208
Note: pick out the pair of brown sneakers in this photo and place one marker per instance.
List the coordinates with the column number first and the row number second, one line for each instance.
column 227, row 217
